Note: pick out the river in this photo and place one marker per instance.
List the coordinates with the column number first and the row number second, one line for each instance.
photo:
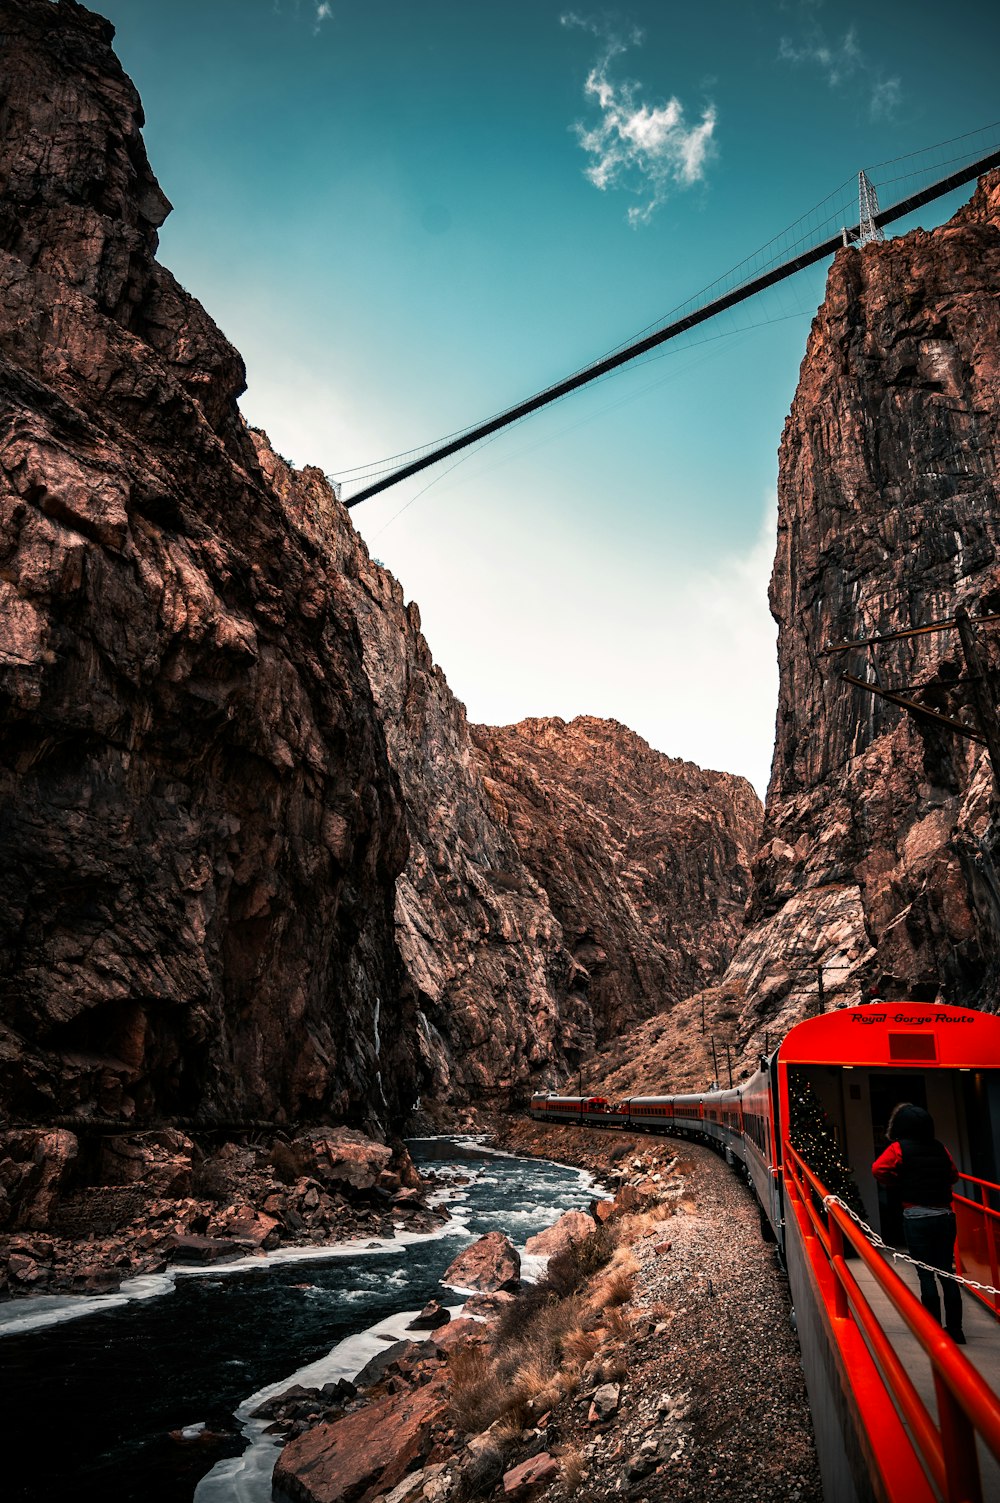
column 90, row 1388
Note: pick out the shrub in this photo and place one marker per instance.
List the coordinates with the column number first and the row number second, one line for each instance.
column 569, row 1270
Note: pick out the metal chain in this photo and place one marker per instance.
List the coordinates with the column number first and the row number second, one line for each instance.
column 902, row 1257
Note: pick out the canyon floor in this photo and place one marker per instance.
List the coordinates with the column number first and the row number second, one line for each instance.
column 655, row 1360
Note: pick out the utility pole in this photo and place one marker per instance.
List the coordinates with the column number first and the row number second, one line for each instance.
column 982, row 701
column 715, row 1064
column 703, row 1028
column 729, row 1065
column 820, row 992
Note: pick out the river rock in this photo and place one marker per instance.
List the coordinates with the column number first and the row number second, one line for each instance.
column 246, row 1225
column 462, row 1333
column 396, row 1357
column 489, row 1264
column 187, row 1247
column 571, row 1228
column 430, row 1318
column 367, row 1451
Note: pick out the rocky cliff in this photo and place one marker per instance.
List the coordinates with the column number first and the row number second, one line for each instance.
column 877, row 864
column 644, row 858
column 563, row 880
column 201, row 832
column 256, row 865
column 482, row 950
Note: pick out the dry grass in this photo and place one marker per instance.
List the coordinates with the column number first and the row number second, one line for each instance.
column 617, row 1285
column 618, row 1325
column 481, row 1392
column 580, row 1345
column 573, row 1469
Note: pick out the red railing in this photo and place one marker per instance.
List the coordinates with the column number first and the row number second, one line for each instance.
column 966, row 1404
column 979, row 1237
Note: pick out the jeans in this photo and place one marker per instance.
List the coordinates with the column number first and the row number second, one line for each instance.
column 932, row 1240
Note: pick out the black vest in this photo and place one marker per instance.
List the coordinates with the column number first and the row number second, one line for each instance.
column 924, row 1177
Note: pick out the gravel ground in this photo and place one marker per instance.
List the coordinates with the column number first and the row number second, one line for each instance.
column 714, row 1403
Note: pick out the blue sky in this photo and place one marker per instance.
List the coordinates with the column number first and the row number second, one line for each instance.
column 409, row 215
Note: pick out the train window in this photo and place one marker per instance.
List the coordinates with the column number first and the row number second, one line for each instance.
column 912, row 1046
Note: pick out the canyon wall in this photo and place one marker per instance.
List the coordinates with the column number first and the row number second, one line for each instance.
column 255, row 863
column 199, row 825
column 563, row 880
column 877, row 864
column 645, row 858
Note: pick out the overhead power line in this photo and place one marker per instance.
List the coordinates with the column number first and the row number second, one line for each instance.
column 712, row 309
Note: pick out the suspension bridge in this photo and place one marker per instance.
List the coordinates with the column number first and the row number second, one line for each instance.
column 811, row 239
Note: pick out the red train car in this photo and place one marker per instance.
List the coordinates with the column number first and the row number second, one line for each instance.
column 901, row 1414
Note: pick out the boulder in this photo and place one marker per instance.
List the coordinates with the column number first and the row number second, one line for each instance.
column 342, row 1156
column 246, row 1224
column 365, row 1452
column 521, row 1481
column 186, row 1247
column 160, row 1160
column 430, row 1318
column 603, row 1210
column 461, row 1333
column 488, row 1306
column 397, row 1355
column 491, row 1263
column 571, row 1228
column 604, row 1403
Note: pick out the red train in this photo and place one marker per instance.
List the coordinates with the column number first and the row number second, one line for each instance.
column 897, row 1406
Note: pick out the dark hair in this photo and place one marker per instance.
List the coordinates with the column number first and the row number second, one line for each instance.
column 909, row 1121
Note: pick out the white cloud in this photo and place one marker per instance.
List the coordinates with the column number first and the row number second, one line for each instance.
column 645, row 149
column 844, row 62
column 324, row 12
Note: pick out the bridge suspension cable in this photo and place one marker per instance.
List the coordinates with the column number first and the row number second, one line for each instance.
column 388, row 473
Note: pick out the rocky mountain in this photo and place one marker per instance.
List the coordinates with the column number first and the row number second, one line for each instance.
column 481, row 948
column 256, row 865
column 644, row 858
column 563, row 880
column 878, row 856
column 201, row 832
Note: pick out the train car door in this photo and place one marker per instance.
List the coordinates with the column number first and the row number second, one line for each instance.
column 886, row 1091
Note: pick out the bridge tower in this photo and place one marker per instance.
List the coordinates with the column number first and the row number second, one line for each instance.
column 868, row 230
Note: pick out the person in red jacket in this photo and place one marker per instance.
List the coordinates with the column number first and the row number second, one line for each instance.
column 923, row 1172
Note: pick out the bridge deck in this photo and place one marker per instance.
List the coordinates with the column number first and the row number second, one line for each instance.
column 982, row 1332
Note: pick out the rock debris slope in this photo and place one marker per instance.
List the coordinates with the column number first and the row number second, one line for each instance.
column 200, row 828
column 645, row 858
column 878, row 853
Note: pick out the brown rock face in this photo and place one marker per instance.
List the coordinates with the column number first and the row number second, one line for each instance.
column 200, row 828
column 213, row 705
column 353, row 1459
column 562, row 880
column 491, row 1264
column 645, row 858
column 878, row 855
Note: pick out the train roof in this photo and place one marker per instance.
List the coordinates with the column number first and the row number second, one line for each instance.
column 896, row 1034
